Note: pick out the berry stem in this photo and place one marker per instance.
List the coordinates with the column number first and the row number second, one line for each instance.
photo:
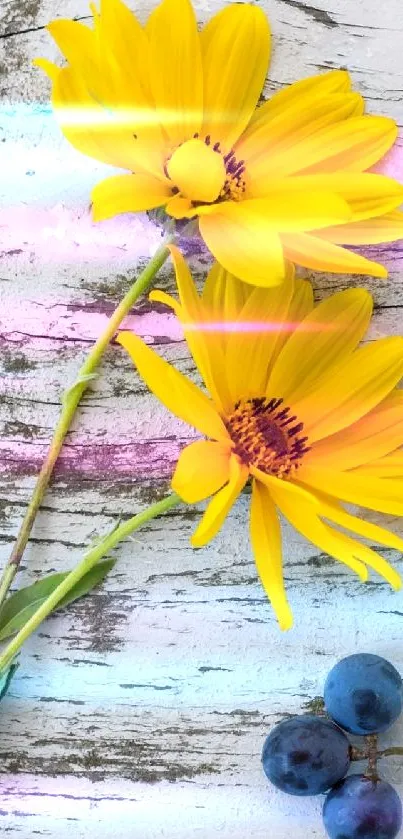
column 393, row 750
column 371, row 743
column 358, row 754
column 370, row 753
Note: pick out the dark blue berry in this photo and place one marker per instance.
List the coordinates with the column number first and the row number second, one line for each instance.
column 306, row 755
column 363, row 694
column 361, row 808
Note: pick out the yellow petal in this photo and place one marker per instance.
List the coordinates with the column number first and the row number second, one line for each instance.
column 162, row 297
column 202, row 469
column 203, row 342
column 243, row 236
column 360, row 381
column 266, row 143
column 367, row 194
column 302, row 302
column 254, row 337
column 179, row 207
column 382, row 494
column 373, row 231
column 103, row 133
column 188, row 295
column 306, row 521
column 219, row 506
column 175, row 391
column 373, row 436
column 51, row 70
column 326, row 336
column 296, row 494
column 300, row 306
column 223, row 298
column 80, row 47
column 373, row 560
column 235, row 49
column 224, row 294
column 333, row 511
column 128, row 194
column 77, row 42
column 306, row 91
column 123, row 49
column 266, row 544
column 388, row 466
column 124, row 83
column 83, row 122
column 286, row 211
column 176, row 69
column 314, row 252
column 363, row 552
column 244, row 244
column 197, row 171
column 351, row 145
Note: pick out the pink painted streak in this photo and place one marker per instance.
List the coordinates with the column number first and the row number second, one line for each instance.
column 62, row 234
column 60, row 797
column 69, row 321
column 392, row 164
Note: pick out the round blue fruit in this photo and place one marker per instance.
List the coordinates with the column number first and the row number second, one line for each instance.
column 306, row 755
column 363, row 694
column 361, row 808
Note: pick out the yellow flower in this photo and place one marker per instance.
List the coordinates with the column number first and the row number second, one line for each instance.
column 294, row 405
column 178, row 109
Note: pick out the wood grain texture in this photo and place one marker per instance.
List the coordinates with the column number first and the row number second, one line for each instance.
column 141, row 711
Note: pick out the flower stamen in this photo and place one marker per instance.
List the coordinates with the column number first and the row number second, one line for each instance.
column 266, row 435
column 234, row 185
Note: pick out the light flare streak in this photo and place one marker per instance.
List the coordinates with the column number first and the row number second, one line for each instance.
column 253, row 326
column 45, row 186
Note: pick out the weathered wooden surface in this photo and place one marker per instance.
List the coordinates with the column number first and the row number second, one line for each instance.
column 141, row 711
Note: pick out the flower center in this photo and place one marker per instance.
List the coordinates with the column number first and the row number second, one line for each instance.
column 197, row 171
column 267, row 436
column 200, row 172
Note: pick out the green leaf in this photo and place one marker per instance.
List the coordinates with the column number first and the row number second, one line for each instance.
column 5, row 679
column 21, row 605
column 82, row 380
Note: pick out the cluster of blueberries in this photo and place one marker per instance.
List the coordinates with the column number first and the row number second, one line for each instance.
column 309, row 755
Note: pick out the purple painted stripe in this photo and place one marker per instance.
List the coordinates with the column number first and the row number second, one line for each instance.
column 140, row 459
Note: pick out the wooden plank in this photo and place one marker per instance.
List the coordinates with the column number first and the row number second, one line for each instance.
column 141, row 711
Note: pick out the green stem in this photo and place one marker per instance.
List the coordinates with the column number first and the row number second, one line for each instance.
column 89, row 560
column 70, row 404
column 8, row 575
